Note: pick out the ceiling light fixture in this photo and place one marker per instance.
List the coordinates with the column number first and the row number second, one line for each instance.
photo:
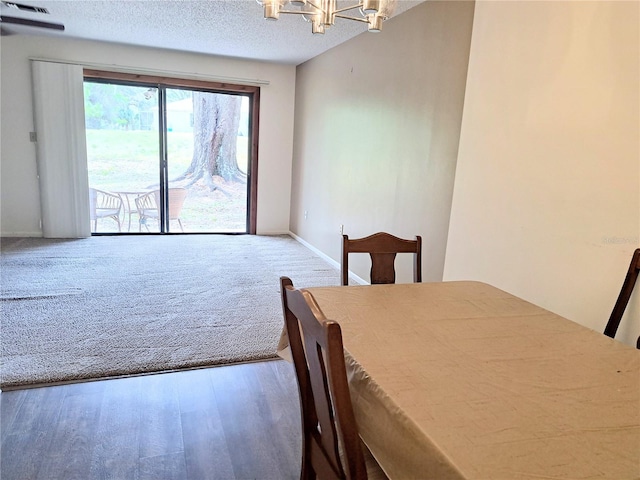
column 323, row 13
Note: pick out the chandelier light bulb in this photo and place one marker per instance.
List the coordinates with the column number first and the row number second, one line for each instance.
column 370, row 6
column 375, row 23
column 271, row 9
column 322, row 13
column 317, row 28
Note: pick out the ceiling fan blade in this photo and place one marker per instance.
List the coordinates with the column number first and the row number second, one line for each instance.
column 31, row 23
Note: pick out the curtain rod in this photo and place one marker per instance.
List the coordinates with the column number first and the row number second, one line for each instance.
column 151, row 71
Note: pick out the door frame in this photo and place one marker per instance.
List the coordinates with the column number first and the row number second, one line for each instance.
column 216, row 87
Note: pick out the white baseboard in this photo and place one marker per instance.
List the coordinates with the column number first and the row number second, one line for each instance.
column 326, row 257
column 274, row 232
column 21, row 234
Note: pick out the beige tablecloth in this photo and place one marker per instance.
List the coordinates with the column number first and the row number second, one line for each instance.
column 462, row 380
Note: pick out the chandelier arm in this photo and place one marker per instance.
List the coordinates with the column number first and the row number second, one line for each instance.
column 316, row 6
column 295, row 12
column 353, row 18
column 345, row 9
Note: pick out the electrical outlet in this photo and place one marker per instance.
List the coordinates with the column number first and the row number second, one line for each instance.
column 306, row 214
column 341, row 229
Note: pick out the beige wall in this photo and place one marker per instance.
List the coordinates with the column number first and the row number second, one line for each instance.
column 20, row 200
column 547, row 192
column 377, row 124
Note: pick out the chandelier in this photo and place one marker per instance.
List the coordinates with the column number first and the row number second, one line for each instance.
column 323, row 13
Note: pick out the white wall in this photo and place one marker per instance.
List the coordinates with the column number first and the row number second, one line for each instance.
column 547, row 191
column 376, row 135
column 19, row 196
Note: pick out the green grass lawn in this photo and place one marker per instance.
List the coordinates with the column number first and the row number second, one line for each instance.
column 120, row 160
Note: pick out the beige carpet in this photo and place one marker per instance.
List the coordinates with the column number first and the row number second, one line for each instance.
column 110, row 306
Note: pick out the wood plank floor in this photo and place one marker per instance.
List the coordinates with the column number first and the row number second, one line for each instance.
column 228, row 422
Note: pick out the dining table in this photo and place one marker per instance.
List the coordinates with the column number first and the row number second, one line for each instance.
column 463, row 380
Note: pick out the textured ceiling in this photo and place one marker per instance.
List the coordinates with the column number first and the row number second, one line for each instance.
column 233, row 28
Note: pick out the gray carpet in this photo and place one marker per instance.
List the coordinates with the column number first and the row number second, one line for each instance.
column 110, row 306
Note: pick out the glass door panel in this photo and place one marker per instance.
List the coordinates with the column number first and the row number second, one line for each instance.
column 167, row 160
column 122, row 155
column 207, row 157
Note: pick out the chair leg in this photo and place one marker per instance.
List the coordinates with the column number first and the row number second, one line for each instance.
column 180, row 223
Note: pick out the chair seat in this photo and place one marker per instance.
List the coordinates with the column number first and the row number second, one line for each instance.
column 152, row 212
column 107, row 212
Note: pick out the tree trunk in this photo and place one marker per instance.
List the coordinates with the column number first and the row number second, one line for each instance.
column 216, row 118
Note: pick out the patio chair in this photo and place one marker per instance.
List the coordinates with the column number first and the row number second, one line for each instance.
column 104, row 204
column 148, row 203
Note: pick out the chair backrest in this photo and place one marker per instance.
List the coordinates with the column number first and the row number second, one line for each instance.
column 325, row 402
column 382, row 247
column 623, row 298
column 147, row 204
column 103, row 200
column 176, row 201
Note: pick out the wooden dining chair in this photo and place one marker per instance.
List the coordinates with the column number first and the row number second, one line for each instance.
column 382, row 247
column 623, row 298
column 328, row 422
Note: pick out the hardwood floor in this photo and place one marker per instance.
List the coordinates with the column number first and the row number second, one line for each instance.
column 228, row 422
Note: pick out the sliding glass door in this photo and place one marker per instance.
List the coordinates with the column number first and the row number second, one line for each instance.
column 167, row 159
column 207, row 153
column 123, row 148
